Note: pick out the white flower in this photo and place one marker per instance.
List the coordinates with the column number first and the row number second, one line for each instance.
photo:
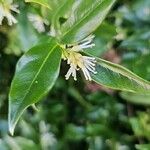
column 38, row 22
column 5, row 11
column 47, row 138
column 79, row 62
column 85, row 43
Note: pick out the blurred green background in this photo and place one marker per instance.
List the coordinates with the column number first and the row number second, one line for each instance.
column 81, row 115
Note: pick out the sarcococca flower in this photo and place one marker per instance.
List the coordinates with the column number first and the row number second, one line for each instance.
column 6, row 9
column 77, row 61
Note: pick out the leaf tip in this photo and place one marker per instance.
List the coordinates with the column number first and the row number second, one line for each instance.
column 11, row 125
column 11, row 129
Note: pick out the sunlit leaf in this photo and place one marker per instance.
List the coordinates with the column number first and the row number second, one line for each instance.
column 85, row 17
column 36, row 73
column 117, row 77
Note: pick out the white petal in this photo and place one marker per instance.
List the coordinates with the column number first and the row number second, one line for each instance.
column 68, row 73
column 76, row 48
column 14, row 8
column 86, row 74
column 11, row 19
column 74, row 74
column 89, row 63
column 5, row 11
column 90, row 68
column 87, row 46
column 71, row 71
column 87, row 57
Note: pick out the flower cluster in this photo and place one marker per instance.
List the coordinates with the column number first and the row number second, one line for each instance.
column 5, row 11
column 78, row 61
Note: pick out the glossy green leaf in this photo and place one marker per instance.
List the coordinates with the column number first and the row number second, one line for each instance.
column 141, row 99
column 62, row 10
column 36, row 73
column 85, row 17
column 41, row 2
column 117, row 77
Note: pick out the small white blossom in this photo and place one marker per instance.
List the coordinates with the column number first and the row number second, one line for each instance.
column 5, row 11
column 38, row 22
column 71, row 71
column 85, row 43
column 79, row 62
column 47, row 138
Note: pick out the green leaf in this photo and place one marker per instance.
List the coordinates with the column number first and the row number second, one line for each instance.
column 41, row 2
column 142, row 146
column 61, row 11
column 141, row 99
column 117, row 77
column 85, row 18
column 36, row 73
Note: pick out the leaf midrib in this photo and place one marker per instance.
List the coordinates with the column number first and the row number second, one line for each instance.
column 81, row 19
column 34, row 79
column 40, row 3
